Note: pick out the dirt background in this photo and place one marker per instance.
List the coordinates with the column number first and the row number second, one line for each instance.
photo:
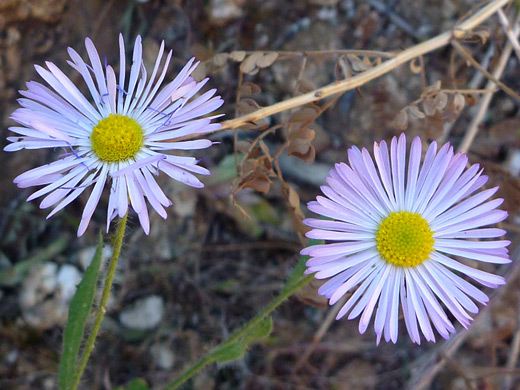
column 206, row 270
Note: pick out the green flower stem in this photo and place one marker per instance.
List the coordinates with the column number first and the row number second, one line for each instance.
column 118, row 242
column 290, row 289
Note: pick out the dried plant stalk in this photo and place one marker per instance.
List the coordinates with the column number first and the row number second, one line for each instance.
column 472, row 130
column 370, row 74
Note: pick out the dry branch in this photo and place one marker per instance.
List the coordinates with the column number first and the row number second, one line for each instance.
column 370, row 74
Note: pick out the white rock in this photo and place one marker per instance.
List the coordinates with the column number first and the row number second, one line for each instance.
column 163, row 356
column 86, row 255
column 143, row 314
column 46, row 294
column 513, row 162
column 40, row 282
column 222, row 11
column 67, row 280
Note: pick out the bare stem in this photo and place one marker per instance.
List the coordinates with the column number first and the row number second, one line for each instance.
column 370, row 74
column 120, row 233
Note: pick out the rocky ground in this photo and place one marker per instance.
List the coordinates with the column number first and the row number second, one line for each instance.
column 206, row 269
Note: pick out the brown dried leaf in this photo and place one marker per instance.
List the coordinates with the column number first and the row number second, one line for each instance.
column 250, row 63
column 303, row 133
column 255, row 152
column 260, row 182
column 441, row 101
column 247, row 106
column 247, row 167
column 249, row 88
column 459, row 102
column 242, row 146
column 238, row 55
column 300, row 145
column 449, row 115
column 356, row 63
column 401, row 120
column 429, row 106
column 415, row 112
column 267, row 163
column 220, row 59
column 342, row 69
column 307, row 157
column 293, row 198
column 267, row 59
column 306, row 114
column 307, row 85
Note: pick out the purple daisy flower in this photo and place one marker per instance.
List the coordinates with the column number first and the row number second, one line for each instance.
column 395, row 228
column 121, row 137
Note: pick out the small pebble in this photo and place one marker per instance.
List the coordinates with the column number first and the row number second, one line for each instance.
column 143, row 314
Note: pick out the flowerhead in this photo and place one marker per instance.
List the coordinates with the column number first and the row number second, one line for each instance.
column 120, row 136
column 396, row 229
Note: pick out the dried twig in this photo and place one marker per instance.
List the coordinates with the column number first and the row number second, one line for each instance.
column 327, row 322
column 467, row 55
column 486, row 99
column 509, row 32
column 370, row 74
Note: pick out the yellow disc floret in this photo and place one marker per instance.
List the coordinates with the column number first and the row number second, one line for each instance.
column 116, row 138
column 404, row 239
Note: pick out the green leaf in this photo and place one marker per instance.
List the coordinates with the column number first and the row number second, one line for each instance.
column 79, row 311
column 237, row 349
column 260, row 331
column 137, row 384
column 231, row 352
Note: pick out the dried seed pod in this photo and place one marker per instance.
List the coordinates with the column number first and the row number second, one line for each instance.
column 247, row 106
column 415, row 112
column 306, row 114
column 237, row 55
column 459, row 102
column 429, row 106
column 267, row 59
column 259, row 182
column 249, row 65
column 248, row 89
column 357, row 64
column 401, row 120
column 220, row 59
column 441, row 100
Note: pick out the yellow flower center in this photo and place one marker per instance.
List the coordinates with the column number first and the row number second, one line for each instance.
column 404, row 239
column 116, row 138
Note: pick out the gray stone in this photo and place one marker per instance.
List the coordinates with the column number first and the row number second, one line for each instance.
column 143, row 314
